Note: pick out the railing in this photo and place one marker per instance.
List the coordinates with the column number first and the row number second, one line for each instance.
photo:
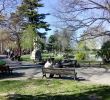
column 91, row 63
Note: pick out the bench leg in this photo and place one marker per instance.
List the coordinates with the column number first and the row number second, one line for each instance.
column 10, row 72
column 44, row 75
column 59, row 76
column 75, row 76
column 51, row 75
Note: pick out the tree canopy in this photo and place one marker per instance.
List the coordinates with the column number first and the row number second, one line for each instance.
column 105, row 52
column 33, row 19
column 23, row 21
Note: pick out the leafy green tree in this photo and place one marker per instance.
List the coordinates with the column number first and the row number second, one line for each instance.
column 80, row 55
column 27, row 39
column 60, row 41
column 82, row 51
column 64, row 37
column 52, row 43
column 29, row 12
column 104, row 52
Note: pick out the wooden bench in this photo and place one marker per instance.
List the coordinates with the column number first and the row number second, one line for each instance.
column 60, row 71
column 5, row 69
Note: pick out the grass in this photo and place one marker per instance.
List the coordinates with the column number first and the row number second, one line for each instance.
column 52, row 90
column 44, row 57
column 25, row 58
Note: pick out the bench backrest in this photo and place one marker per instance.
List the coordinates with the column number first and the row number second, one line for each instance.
column 65, row 71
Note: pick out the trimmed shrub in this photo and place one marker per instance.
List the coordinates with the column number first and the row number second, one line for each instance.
column 80, row 56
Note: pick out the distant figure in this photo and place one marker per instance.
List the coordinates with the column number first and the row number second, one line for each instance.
column 58, row 64
column 8, row 53
column 17, row 54
column 12, row 55
column 38, row 56
column 33, row 55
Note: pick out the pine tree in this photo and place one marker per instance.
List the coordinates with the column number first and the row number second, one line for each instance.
column 29, row 12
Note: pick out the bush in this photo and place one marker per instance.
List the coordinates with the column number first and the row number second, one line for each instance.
column 68, row 55
column 2, row 62
column 25, row 58
column 59, row 57
column 46, row 55
column 104, row 52
column 80, row 56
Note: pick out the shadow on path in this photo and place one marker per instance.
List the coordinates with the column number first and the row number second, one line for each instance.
column 13, row 75
column 69, row 78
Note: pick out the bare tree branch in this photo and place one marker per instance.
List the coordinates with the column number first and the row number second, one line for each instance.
column 83, row 14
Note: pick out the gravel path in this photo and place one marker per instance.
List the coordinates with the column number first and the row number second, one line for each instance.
column 94, row 75
column 24, row 70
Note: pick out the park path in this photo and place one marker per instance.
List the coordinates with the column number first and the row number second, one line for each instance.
column 94, row 75
column 24, row 70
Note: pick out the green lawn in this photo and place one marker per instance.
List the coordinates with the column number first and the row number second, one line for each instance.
column 44, row 57
column 52, row 90
column 25, row 58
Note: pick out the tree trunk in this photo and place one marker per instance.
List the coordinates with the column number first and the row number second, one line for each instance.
column 18, row 47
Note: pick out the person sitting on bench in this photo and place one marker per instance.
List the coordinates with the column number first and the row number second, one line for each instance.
column 58, row 65
column 49, row 64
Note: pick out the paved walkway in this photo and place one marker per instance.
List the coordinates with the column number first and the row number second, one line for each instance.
column 24, row 70
column 95, row 75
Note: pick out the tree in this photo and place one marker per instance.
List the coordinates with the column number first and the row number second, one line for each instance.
column 29, row 11
column 60, row 41
column 9, row 20
column 81, row 52
column 27, row 39
column 6, row 5
column 63, row 39
column 81, row 14
column 104, row 52
column 93, row 38
column 15, row 27
column 4, row 37
column 52, row 43
column 6, row 40
column 66, row 36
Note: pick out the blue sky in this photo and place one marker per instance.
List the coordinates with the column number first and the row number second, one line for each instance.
column 49, row 8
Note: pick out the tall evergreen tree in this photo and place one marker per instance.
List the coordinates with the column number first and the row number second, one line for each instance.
column 29, row 11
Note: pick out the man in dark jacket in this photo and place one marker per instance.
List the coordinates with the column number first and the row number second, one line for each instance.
column 38, row 55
